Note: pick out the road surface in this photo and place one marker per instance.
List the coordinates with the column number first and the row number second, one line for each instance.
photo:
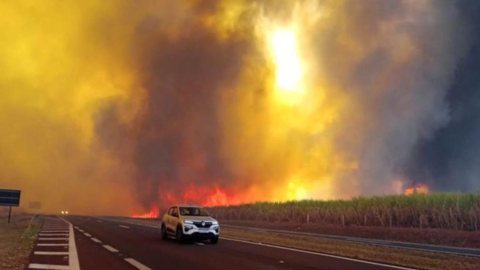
column 107, row 244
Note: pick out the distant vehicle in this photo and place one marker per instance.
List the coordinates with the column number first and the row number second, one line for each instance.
column 189, row 223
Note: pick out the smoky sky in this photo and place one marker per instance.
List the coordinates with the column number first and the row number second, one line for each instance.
column 174, row 140
column 179, row 128
column 410, row 77
column 449, row 159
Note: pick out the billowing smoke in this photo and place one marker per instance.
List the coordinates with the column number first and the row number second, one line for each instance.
column 449, row 158
column 134, row 105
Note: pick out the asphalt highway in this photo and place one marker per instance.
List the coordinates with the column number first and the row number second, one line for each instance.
column 107, row 244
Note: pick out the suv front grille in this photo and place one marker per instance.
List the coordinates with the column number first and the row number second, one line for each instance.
column 205, row 224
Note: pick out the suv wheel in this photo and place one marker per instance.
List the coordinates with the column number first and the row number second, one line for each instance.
column 179, row 235
column 214, row 240
column 164, row 232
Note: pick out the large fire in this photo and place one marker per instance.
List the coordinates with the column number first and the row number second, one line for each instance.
column 217, row 102
column 193, row 195
column 418, row 188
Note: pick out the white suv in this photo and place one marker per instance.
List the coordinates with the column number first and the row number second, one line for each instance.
column 190, row 222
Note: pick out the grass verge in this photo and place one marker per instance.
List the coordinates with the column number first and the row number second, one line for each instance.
column 16, row 241
column 414, row 259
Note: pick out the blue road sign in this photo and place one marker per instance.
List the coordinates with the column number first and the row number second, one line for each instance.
column 9, row 197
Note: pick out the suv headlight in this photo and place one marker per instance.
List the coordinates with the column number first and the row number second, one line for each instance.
column 214, row 222
column 188, row 227
column 188, row 222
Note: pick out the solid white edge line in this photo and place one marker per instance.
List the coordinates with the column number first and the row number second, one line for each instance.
column 110, row 248
column 72, row 248
column 377, row 242
column 123, row 226
column 137, row 264
column 52, row 238
column 48, row 266
column 53, row 234
column 319, row 254
column 286, row 248
column 293, row 249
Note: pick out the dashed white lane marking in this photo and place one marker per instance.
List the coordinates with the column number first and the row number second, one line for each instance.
column 48, row 266
column 87, row 235
column 199, row 244
column 52, row 238
column 137, row 264
column 110, row 248
column 50, row 253
column 52, row 245
column 123, row 226
column 95, row 240
column 319, row 254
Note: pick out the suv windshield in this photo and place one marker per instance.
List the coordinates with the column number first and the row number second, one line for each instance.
column 193, row 211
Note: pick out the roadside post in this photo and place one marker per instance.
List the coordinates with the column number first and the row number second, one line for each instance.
column 9, row 197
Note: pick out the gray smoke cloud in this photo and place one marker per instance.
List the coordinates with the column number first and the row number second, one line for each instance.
column 449, row 158
column 398, row 87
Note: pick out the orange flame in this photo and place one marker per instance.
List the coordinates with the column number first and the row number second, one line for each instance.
column 419, row 188
column 153, row 213
column 203, row 196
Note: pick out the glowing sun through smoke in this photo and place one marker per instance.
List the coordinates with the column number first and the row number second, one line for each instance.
column 288, row 63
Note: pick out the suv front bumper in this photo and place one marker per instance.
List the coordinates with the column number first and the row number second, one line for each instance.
column 200, row 236
column 194, row 231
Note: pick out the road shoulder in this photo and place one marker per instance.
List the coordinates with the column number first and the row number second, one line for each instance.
column 392, row 256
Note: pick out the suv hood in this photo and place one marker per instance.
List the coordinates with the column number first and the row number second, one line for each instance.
column 198, row 218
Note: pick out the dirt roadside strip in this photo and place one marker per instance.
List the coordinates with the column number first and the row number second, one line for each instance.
column 16, row 240
column 471, row 252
